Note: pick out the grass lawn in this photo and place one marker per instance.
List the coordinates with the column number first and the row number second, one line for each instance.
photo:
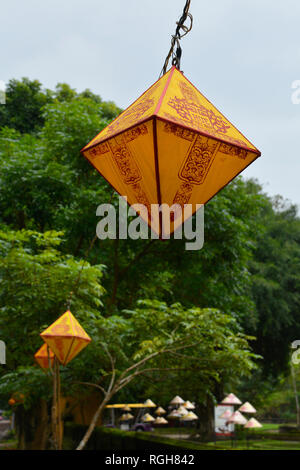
column 257, row 444
column 262, row 444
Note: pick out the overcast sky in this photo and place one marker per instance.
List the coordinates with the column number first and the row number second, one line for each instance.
column 243, row 55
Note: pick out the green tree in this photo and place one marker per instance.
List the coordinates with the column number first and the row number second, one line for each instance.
column 201, row 346
column 24, row 102
column 276, row 284
column 36, row 281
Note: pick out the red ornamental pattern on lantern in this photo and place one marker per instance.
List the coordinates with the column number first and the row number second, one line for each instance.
column 171, row 146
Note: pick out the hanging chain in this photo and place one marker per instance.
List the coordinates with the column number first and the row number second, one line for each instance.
column 180, row 32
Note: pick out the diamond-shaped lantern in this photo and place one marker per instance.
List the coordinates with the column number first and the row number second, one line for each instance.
column 66, row 337
column 171, row 146
column 43, row 355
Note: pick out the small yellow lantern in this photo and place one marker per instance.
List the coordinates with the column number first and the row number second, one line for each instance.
column 43, row 355
column 66, row 337
column 171, row 147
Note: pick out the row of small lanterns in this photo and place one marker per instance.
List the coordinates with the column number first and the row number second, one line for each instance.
column 237, row 417
column 183, row 412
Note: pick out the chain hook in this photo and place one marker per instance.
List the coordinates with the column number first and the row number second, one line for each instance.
column 176, row 38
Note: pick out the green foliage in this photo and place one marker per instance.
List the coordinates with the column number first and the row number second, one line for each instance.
column 31, row 383
column 24, row 101
column 276, row 285
column 36, row 280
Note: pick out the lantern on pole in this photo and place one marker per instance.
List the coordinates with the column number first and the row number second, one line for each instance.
column 251, row 424
column 66, row 337
column 44, row 356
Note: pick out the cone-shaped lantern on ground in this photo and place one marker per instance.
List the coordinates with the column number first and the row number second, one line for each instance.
column 160, row 411
column 247, row 408
column 188, row 405
column 171, row 146
column 174, row 414
column 43, row 356
column 126, row 408
column 149, row 403
column 231, row 399
column 126, row 417
column 66, row 337
column 182, row 410
column 252, row 423
column 190, row 416
column 147, row 418
column 237, row 418
column 160, row 420
column 177, row 401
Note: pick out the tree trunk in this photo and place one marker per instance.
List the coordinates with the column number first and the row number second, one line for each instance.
column 42, row 430
column 32, row 426
column 205, row 413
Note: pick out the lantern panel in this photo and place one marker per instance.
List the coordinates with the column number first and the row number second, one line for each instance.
column 192, row 169
column 61, row 346
column 142, row 109
column 127, row 162
column 172, row 146
column 77, row 346
column 183, row 104
column 41, row 356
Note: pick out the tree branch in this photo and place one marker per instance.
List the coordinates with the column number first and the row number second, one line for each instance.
column 135, row 259
column 93, row 385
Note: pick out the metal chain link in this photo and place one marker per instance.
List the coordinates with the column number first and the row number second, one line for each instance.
column 181, row 31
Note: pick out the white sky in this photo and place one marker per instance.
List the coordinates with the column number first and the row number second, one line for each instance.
column 243, row 55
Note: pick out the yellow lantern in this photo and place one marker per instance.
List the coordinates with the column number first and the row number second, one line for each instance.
column 43, row 355
column 66, row 337
column 171, row 147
